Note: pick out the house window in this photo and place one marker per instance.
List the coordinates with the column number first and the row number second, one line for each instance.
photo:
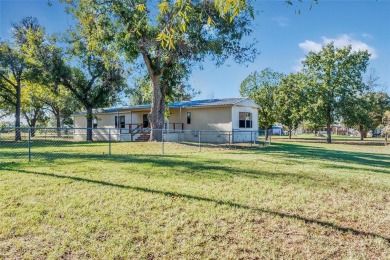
column 188, row 117
column 121, row 122
column 245, row 120
column 145, row 121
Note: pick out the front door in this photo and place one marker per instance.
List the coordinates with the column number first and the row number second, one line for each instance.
column 145, row 121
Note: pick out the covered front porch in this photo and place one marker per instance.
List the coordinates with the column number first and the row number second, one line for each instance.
column 141, row 131
column 134, row 119
column 135, row 125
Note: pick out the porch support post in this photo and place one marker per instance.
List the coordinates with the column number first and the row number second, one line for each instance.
column 180, row 115
column 117, row 119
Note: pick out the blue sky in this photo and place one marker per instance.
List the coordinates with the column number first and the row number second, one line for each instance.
column 284, row 36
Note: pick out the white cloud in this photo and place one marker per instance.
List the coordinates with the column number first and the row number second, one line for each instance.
column 340, row 42
column 282, row 21
column 308, row 46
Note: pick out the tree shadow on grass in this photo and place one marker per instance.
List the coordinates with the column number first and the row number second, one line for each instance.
column 206, row 168
column 222, row 169
column 217, row 202
column 182, row 165
column 315, row 153
column 284, row 151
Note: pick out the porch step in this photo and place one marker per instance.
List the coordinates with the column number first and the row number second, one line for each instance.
column 143, row 138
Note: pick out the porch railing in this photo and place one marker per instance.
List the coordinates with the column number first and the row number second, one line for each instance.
column 174, row 126
column 135, row 127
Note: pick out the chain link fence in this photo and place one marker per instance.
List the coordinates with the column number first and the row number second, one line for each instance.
column 57, row 143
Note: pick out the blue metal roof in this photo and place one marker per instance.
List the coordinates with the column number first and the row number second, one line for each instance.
column 207, row 102
column 180, row 104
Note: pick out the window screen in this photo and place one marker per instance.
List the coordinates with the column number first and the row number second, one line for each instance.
column 188, row 117
column 245, row 120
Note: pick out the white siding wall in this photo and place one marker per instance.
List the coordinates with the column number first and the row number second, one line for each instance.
column 103, row 121
column 79, row 121
column 106, row 121
column 137, row 117
column 245, row 134
column 235, row 117
column 212, row 118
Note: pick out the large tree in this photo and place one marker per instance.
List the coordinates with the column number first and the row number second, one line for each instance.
column 62, row 104
column 380, row 103
column 378, row 99
column 50, row 62
column 364, row 111
column 14, row 70
column 94, row 85
column 386, row 125
column 17, row 69
column 142, row 92
column 93, row 77
column 356, row 113
column 169, row 37
column 290, row 101
column 335, row 74
column 39, row 101
column 262, row 87
column 33, row 107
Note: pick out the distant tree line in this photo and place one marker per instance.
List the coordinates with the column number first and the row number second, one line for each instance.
column 329, row 87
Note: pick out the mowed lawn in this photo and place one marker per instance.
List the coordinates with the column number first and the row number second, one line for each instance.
column 289, row 200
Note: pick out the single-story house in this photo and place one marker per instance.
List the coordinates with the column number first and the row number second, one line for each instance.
column 377, row 132
column 185, row 120
column 277, row 130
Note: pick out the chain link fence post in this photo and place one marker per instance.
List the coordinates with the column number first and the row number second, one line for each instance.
column 162, row 141
column 29, row 144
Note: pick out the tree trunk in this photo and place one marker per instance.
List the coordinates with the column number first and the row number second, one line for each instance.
column 18, row 136
column 266, row 134
column 32, row 126
column 328, row 126
column 57, row 114
column 289, row 133
column 361, row 130
column 386, row 135
column 156, row 115
column 89, row 124
column 328, row 132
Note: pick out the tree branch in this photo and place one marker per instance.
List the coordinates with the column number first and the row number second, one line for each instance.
column 8, row 80
column 8, row 99
column 148, row 61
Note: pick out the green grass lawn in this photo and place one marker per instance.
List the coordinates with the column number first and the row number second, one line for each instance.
column 288, row 200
